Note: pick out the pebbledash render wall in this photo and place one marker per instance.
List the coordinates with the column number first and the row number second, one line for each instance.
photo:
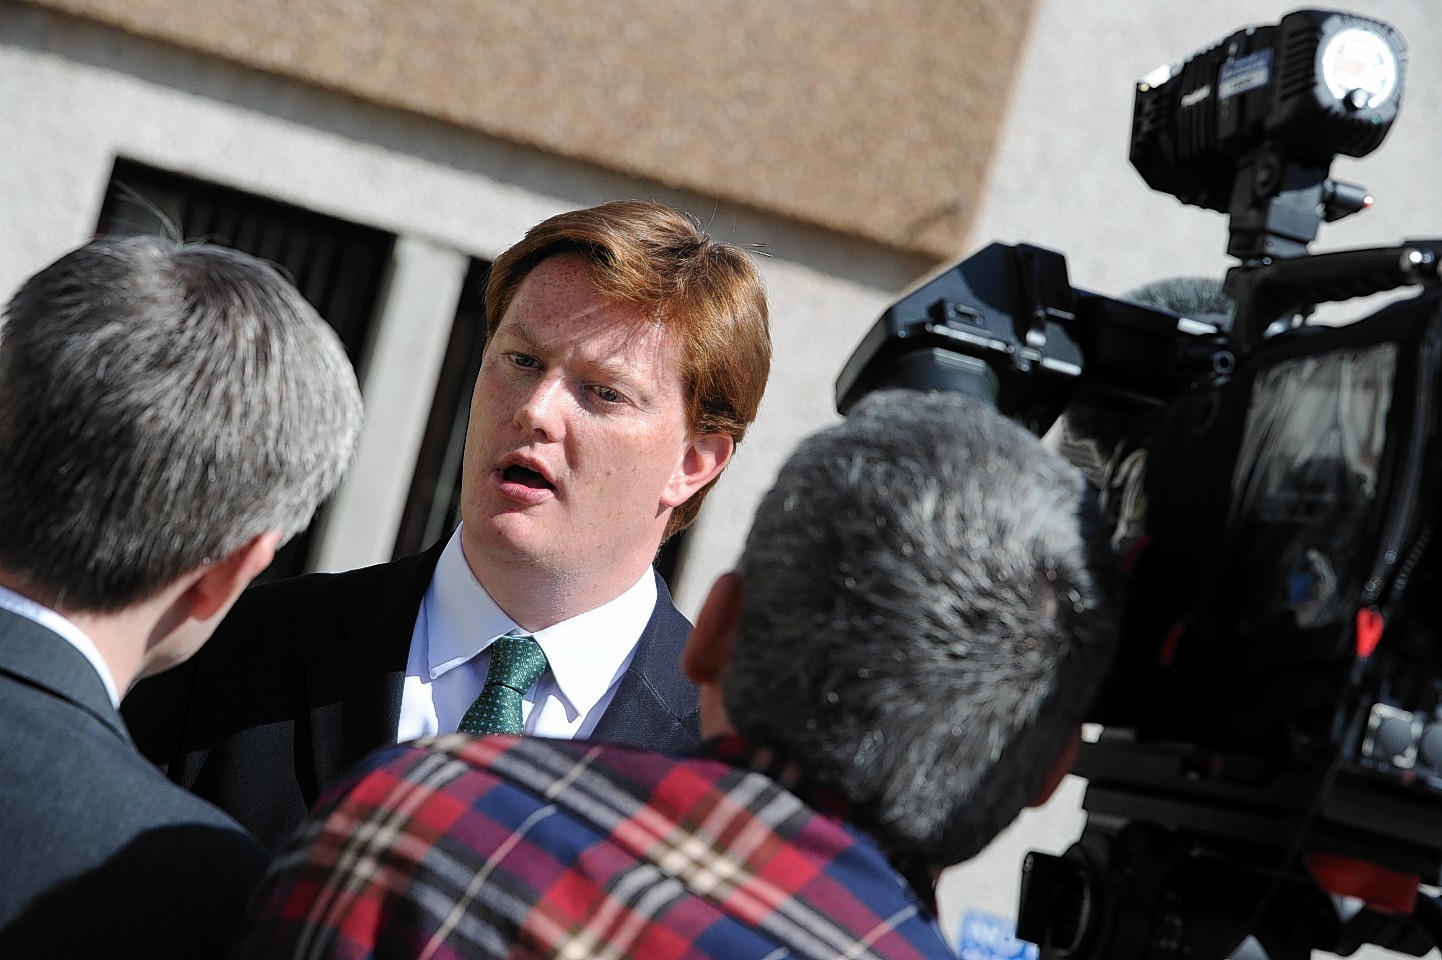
column 871, row 118
column 857, row 144
column 457, row 125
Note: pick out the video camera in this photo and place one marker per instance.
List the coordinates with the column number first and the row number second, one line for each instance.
column 1269, row 773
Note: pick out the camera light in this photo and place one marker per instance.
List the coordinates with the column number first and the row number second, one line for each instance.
column 1360, row 68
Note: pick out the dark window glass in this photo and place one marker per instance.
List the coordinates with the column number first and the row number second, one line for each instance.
column 337, row 265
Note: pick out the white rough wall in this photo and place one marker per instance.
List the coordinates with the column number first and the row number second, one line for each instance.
column 74, row 96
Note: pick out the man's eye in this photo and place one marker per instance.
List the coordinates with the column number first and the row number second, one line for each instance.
column 524, row 360
column 607, row 394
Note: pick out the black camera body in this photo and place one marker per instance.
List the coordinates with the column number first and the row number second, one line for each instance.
column 1272, row 725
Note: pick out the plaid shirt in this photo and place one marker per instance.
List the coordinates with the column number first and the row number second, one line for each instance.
column 526, row 847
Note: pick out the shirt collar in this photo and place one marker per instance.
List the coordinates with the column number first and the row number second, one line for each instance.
column 586, row 653
column 465, row 619
column 734, row 751
column 23, row 606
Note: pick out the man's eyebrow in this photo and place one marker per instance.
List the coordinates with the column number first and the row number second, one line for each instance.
column 520, row 332
column 618, row 372
column 623, row 375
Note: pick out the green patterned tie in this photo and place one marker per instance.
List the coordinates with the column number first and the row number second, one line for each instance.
column 517, row 662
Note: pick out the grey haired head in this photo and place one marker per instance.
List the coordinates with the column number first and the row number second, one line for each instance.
column 161, row 403
column 925, row 617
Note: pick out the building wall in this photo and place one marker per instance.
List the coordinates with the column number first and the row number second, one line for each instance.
column 873, row 119
column 84, row 94
column 75, row 94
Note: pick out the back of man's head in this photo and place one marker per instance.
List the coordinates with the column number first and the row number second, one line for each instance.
column 924, row 620
column 161, row 404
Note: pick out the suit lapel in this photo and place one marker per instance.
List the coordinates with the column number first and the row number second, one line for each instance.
column 655, row 706
column 354, row 682
column 352, row 712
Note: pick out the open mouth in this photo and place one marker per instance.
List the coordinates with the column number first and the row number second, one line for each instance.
column 525, row 476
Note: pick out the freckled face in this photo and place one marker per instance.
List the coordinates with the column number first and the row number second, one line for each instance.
column 577, row 447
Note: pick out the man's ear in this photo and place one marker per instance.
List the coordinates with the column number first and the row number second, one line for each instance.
column 220, row 581
column 1058, row 773
column 708, row 653
column 703, row 460
column 708, row 650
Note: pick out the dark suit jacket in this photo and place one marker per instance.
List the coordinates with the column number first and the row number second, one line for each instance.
column 100, row 856
column 304, row 678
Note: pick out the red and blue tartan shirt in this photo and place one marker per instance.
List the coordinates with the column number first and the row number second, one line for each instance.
column 526, row 847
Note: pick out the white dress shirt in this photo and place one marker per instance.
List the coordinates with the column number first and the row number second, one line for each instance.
column 25, row 607
column 457, row 623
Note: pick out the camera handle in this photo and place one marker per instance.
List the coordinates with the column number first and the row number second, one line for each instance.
column 1272, row 295
column 1279, row 200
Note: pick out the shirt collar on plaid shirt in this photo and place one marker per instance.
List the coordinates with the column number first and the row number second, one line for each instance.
column 735, row 751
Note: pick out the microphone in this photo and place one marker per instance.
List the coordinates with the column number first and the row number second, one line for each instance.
column 1200, row 298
